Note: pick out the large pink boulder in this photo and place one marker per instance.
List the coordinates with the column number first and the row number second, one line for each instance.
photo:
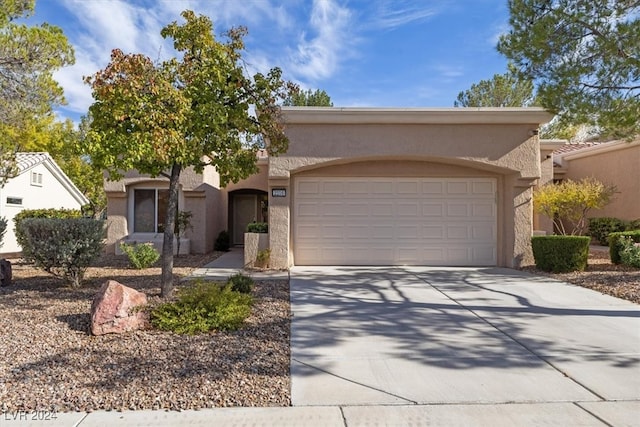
column 117, row 309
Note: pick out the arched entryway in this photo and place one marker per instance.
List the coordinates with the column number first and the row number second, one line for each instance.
column 246, row 206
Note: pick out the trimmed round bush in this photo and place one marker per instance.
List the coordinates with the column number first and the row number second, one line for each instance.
column 633, row 225
column 630, row 253
column 599, row 228
column 615, row 244
column 560, row 254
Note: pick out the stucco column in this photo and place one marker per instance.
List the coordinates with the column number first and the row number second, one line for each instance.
column 195, row 202
column 116, row 219
column 279, row 223
column 522, row 223
column 541, row 222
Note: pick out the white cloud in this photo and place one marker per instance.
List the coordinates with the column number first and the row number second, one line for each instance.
column 398, row 13
column 317, row 55
column 76, row 92
column 449, row 71
column 112, row 23
column 499, row 31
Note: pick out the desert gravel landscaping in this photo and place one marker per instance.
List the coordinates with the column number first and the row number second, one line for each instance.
column 617, row 280
column 49, row 361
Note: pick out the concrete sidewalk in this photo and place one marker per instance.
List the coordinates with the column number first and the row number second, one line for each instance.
column 559, row 414
column 231, row 263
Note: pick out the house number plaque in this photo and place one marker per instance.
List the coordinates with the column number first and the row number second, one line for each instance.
column 278, row 192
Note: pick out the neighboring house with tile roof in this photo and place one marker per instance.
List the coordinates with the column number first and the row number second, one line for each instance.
column 39, row 184
column 614, row 162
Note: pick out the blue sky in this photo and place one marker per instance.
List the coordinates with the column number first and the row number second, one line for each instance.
column 373, row 53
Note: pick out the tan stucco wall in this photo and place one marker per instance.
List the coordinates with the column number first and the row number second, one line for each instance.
column 541, row 222
column 620, row 167
column 460, row 146
column 116, row 219
column 504, row 147
column 199, row 193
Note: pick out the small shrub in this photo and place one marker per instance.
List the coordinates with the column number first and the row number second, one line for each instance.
column 140, row 256
column 630, row 253
column 633, row 225
column 241, row 283
column 262, row 258
column 257, row 227
column 42, row 213
column 202, row 308
column 560, row 254
column 223, row 242
column 599, row 228
column 615, row 246
column 3, row 229
column 62, row 247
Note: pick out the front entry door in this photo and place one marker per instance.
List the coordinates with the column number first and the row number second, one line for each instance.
column 244, row 212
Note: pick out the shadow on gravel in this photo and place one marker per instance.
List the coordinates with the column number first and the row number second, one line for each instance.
column 80, row 322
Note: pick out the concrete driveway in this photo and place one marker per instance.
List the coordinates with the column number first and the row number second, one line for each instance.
column 463, row 336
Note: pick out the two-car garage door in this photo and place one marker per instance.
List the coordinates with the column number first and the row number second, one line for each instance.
column 394, row 221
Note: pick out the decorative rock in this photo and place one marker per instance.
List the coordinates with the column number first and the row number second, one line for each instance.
column 5, row 273
column 117, row 309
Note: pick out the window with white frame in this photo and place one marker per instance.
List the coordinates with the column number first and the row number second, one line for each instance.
column 149, row 210
column 36, row 178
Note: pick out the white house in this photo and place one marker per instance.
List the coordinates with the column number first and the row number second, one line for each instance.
column 39, row 184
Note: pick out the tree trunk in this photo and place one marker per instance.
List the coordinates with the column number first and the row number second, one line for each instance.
column 166, row 284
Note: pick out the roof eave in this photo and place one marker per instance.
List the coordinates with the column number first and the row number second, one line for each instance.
column 358, row 115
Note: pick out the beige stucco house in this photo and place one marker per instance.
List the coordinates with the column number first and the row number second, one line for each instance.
column 368, row 186
column 615, row 162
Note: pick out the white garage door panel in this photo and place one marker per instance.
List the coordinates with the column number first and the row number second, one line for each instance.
column 394, row 221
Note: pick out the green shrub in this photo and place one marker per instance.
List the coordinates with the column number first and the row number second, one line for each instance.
column 630, row 253
column 140, row 255
column 599, row 228
column 3, row 229
column 615, row 246
column 62, row 247
column 42, row 213
column 202, row 308
column 240, row 283
column 633, row 225
column 257, row 227
column 223, row 242
column 560, row 254
column 262, row 258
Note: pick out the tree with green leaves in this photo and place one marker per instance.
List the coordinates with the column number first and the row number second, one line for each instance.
column 61, row 140
column 503, row 90
column 28, row 57
column 584, row 55
column 308, row 98
column 195, row 111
